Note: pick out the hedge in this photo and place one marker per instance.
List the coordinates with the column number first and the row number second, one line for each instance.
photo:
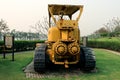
column 22, row 45
column 112, row 45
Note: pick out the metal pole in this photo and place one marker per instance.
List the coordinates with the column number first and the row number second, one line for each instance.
column 13, row 48
column 85, row 40
column 4, row 49
column 3, row 52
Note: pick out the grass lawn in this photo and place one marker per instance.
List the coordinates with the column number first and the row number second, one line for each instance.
column 108, row 66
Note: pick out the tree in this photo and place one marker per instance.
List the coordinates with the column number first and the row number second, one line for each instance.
column 41, row 27
column 113, row 27
column 110, row 29
column 101, row 32
column 20, row 35
column 3, row 26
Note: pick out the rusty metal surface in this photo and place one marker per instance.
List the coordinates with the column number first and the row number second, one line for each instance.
column 67, row 9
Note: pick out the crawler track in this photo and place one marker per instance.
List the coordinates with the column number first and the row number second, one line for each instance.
column 87, row 59
column 39, row 58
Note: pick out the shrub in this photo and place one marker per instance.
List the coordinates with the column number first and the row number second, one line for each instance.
column 112, row 45
column 22, row 45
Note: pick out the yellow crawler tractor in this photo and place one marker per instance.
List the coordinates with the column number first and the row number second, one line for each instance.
column 63, row 44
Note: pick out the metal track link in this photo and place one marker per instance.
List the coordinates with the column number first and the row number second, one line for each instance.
column 89, row 59
column 39, row 58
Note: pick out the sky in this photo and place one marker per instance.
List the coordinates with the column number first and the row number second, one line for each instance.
column 21, row 14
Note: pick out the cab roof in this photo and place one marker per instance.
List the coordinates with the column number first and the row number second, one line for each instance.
column 66, row 9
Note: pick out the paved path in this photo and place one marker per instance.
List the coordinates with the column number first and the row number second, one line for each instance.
column 114, row 52
column 30, row 73
column 59, row 72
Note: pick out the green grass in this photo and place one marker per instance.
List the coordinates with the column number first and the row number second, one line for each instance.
column 108, row 66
